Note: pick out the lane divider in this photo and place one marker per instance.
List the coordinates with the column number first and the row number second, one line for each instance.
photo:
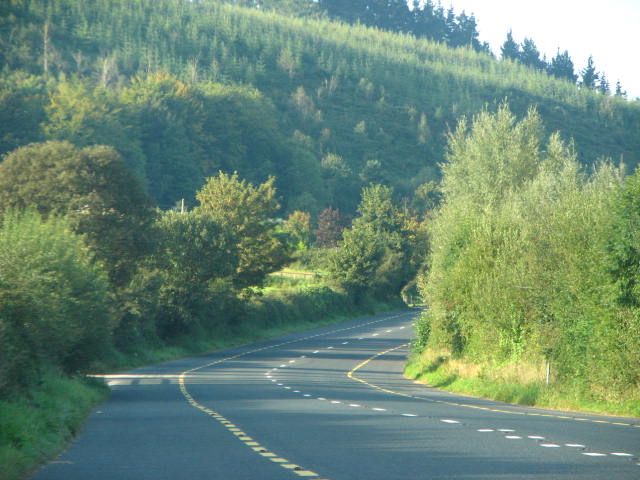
column 351, row 375
column 254, row 445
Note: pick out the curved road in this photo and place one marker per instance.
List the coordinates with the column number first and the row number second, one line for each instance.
column 330, row 404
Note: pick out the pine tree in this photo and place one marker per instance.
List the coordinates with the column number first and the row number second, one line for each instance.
column 619, row 91
column 530, row 56
column 603, row 85
column 589, row 74
column 510, row 49
column 561, row 66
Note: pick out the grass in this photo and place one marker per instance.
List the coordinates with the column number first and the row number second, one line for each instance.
column 38, row 424
column 521, row 385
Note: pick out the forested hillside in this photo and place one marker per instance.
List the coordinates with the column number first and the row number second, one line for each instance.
column 325, row 107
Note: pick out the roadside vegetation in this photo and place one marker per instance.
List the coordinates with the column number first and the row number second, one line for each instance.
column 534, row 263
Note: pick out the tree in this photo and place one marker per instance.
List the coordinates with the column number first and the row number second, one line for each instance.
column 589, row 75
column 603, row 85
column 510, row 49
column 619, row 91
column 197, row 259
column 298, row 227
column 330, row 227
column 530, row 56
column 248, row 212
column 94, row 189
column 374, row 255
column 561, row 66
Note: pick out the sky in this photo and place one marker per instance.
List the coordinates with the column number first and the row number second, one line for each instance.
column 609, row 30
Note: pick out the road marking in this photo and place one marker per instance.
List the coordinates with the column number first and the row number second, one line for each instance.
column 506, row 430
column 321, row 398
column 306, row 395
column 354, row 405
column 345, row 343
column 409, row 415
column 535, row 437
column 594, row 454
column 317, row 351
column 379, row 409
column 621, row 454
column 485, row 430
column 550, row 445
column 255, row 446
column 351, row 375
column 335, row 402
column 513, row 437
column 329, row 348
column 574, row 445
column 446, row 420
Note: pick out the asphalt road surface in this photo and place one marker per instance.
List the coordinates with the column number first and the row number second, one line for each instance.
column 330, row 404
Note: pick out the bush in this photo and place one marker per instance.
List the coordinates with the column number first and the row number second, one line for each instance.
column 54, row 307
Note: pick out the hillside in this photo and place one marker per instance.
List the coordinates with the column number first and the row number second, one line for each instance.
column 350, row 104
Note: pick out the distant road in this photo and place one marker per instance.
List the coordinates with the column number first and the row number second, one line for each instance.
column 330, row 404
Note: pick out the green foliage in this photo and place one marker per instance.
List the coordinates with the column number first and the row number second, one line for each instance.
column 520, row 263
column 36, row 425
column 375, row 253
column 197, row 261
column 92, row 186
column 248, row 211
column 54, row 307
column 325, row 82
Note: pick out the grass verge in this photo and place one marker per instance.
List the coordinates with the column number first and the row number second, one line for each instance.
column 36, row 425
column 440, row 371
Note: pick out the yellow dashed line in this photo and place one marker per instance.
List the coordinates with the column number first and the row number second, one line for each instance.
column 351, row 375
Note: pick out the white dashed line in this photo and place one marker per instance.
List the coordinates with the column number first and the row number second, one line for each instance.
column 375, row 334
column 296, row 391
column 279, row 384
column 321, row 398
column 329, row 348
column 306, row 395
column 513, row 437
column 282, row 366
column 506, row 430
column 354, row 405
column 376, row 409
column 550, row 445
column 292, row 361
column 335, row 402
column 594, row 454
column 574, row 445
column 409, row 415
column 317, row 351
column 273, row 380
column 446, row 420
column 621, row 454
column 535, row 437
column 402, row 328
column 387, row 331
column 345, row 343
column 360, row 338
column 485, row 430
column 287, row 388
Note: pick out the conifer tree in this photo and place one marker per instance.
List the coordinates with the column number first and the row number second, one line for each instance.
column 510, row 49
column 561, row 66
column 589, row 74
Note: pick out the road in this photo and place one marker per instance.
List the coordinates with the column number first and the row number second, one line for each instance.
column 330, row 404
